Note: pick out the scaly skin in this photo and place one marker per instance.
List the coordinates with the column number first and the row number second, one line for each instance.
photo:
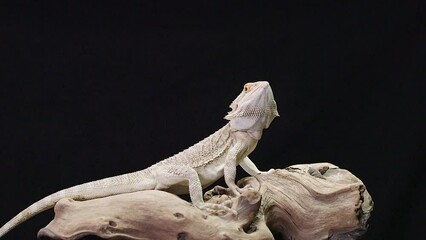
column 190, row 170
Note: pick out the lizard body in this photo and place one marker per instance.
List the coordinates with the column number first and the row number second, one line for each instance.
column 190, row 170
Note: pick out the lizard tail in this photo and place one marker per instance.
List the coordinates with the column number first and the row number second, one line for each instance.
column 101, row 188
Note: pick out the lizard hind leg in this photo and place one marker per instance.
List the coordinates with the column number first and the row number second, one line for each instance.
column 179, row 179
column 173, row 176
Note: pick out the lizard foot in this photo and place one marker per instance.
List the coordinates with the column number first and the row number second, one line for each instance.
column 231, row 191
column 217, row 209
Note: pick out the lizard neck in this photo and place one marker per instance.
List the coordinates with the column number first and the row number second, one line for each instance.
column 256, row 134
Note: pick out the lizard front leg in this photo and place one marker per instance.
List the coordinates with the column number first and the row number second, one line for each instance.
column 230, row 169
column 251, row 168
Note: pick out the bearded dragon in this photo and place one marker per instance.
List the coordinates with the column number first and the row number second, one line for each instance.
column 190, row 170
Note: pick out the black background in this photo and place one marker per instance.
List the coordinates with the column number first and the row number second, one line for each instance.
column 90, row 90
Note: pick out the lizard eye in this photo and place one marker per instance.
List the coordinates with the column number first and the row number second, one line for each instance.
column 246, row 88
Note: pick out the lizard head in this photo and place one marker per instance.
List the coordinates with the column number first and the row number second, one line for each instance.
column 254, row 109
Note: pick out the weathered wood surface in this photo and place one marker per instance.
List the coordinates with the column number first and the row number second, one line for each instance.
column 307, row 201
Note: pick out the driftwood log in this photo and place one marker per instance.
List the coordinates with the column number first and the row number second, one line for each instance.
column 309, row 201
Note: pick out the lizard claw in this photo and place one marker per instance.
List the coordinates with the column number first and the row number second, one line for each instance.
column 216, row 209
column 231, row 191
column 220, row 190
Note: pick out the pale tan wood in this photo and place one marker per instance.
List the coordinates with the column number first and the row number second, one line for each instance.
column 309, row 201
column 315, row 201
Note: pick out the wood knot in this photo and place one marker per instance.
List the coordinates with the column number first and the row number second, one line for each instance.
column 178, row 215
column 182, row 236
